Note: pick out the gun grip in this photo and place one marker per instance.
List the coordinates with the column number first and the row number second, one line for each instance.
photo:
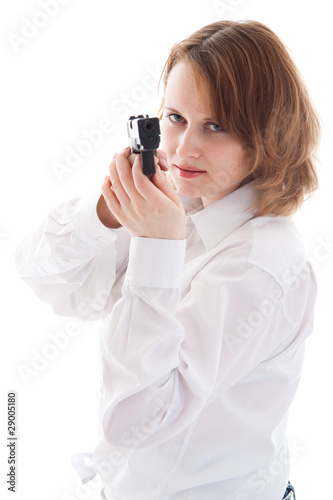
column 148, row 162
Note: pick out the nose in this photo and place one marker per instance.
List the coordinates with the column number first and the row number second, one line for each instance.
column 189, row 144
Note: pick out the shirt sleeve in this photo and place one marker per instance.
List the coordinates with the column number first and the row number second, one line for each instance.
column 73, row 262
column 164, row 358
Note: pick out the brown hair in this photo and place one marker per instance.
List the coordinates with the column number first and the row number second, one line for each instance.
column 257, row 94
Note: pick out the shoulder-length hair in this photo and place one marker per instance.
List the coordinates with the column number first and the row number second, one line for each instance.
column 257, row 94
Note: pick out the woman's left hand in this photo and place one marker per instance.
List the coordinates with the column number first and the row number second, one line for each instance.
column 146, row 208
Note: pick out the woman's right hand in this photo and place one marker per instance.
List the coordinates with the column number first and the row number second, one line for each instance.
column 104, row 212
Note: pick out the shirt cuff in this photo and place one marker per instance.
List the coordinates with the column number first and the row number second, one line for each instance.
column 87, row 225
column 156, row 263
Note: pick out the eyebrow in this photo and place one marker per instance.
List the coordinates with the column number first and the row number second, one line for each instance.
column 171, row 109
column 207, row 119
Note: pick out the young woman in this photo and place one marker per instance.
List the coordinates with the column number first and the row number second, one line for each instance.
column 202, row 283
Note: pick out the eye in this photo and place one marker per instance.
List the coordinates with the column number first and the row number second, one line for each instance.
column 214, row 127
column 174, row 117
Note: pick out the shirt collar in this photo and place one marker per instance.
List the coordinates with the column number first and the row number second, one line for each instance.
column 223, row 217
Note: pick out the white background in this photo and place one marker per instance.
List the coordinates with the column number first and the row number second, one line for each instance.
column 85, row 63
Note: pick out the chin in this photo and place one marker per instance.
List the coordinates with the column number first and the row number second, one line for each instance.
column 184, row 187
column 187, row 191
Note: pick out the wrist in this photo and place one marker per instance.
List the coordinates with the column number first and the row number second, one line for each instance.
column 105, row 216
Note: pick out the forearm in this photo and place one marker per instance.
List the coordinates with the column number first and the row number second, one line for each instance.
column 72, row 260
column 141, row 338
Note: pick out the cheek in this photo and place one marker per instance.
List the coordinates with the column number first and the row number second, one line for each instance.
column 238, row 162
column 231, row 163
column 243, row 164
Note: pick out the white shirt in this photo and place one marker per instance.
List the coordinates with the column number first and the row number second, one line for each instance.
column 202, row 344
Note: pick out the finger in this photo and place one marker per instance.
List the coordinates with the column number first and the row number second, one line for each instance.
column 125, row 174
column 141, row 181
column 170, row 180
column 162, row 159
column 154, row 192
column 162, row 182
column 109, row 196
column 132, row 157
column 118, row 163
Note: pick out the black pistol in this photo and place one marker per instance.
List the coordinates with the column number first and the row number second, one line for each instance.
column 144, row 138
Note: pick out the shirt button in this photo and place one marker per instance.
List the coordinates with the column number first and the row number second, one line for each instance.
column 101, row 239
column 65, row 262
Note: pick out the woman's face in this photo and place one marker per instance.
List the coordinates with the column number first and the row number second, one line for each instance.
column 204, row 161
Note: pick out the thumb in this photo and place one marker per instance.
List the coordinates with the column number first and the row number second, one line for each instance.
column 162, row 180
column 162, row 159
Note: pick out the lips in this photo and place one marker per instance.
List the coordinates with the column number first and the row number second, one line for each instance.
column 188, row 172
